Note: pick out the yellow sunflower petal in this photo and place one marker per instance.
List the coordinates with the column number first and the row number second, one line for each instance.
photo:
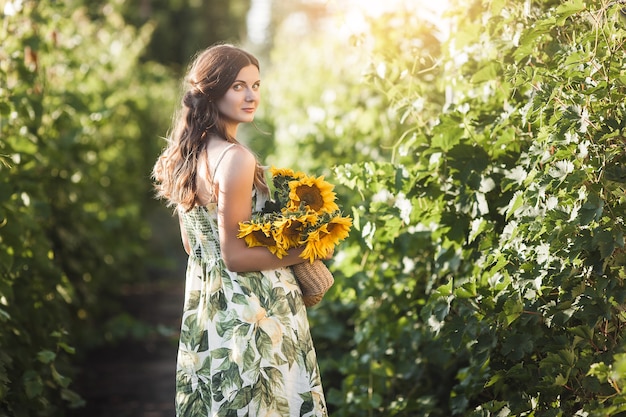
column 245, row 228
column 316, row 246
column 320, row 243
column 255, row 234
column 288, row 231
column 260, row 234
column 311, row 250
column 285, row 172
column 277, row 250
column 314, row 193
column 338, row 229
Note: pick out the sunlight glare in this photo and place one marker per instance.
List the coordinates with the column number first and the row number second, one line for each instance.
column 356, row 12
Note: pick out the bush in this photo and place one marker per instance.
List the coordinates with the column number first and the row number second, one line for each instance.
column 486, row 273
column 78, row 121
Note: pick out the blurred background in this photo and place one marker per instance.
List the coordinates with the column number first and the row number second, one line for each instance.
column 87, row 92
column 478, row 146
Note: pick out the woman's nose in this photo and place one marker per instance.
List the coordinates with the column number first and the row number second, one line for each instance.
column 251, row 95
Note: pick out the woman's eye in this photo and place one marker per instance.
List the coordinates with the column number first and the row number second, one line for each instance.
column 237, row 87
column 256, row 86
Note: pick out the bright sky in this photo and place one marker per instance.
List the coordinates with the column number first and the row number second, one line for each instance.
column 376, row 7
column 353, row 13
column 356, row 10
column 258, row 20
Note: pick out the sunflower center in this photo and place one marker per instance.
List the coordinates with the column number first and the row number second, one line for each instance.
column 293, row 229
column 310, row 196
column 331, row 227
column 262, row 239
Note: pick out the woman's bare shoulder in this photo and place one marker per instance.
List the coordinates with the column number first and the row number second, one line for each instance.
column 239, row 150
column 222, row 163
column 236, row 159
column 220, row 151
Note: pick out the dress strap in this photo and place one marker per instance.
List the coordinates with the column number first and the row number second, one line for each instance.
column 219, row 159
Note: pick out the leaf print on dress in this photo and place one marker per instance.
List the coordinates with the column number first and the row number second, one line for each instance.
column 245, row 346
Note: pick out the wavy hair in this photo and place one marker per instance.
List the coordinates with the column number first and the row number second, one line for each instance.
column 209, row 77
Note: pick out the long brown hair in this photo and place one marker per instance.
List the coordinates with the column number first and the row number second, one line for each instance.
column 209, row 77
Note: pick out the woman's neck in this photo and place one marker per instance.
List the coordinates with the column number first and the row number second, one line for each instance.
column 231, row 131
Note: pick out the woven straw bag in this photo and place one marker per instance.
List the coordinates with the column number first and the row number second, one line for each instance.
column 314, row 279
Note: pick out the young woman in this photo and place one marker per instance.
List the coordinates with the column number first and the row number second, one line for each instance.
column 245, row 346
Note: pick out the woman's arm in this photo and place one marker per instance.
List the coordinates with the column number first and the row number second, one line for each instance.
column 234, row 179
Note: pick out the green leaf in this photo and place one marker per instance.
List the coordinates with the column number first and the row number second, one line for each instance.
column 62, row 380
column 444, row 290
column 468, row 290
column 516, row 202
column 4, row 315
column 32, row 384
column 513, row 308
column 530, row 39
column 46, row 356
column 67, row 348
column 489, row 72
column 477, row 227
column 446, row 135
column 599, row 370
column 73, row 398
column 568, row 9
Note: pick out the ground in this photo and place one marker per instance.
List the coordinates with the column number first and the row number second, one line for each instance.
column 136, row 378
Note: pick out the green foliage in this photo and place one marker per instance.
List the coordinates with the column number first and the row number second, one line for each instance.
column 183, row 27
column 325, row 110
column 486, row 273
column 78, row 121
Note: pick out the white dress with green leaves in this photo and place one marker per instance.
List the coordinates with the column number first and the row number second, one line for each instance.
column 245, row 346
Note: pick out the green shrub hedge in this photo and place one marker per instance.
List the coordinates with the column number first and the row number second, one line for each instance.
column 79, row 118
column 485, row 275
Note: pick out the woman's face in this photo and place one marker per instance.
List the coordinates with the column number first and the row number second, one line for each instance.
column 241, row 101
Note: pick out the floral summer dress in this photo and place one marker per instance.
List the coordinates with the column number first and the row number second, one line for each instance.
column 245, row 346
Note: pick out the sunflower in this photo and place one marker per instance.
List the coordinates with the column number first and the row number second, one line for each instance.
column 288, row 230
column 303, row 213
column 339, row 228
column 286, row 172
column 281, row 178
column 261, row 234
column 321, row 242
column 314, row 193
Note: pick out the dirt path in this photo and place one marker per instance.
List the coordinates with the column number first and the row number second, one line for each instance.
column 137, row 379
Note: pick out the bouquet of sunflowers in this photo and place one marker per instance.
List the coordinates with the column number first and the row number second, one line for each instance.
column 302, row 213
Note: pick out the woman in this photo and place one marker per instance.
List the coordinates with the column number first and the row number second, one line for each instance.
column 245, row 346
